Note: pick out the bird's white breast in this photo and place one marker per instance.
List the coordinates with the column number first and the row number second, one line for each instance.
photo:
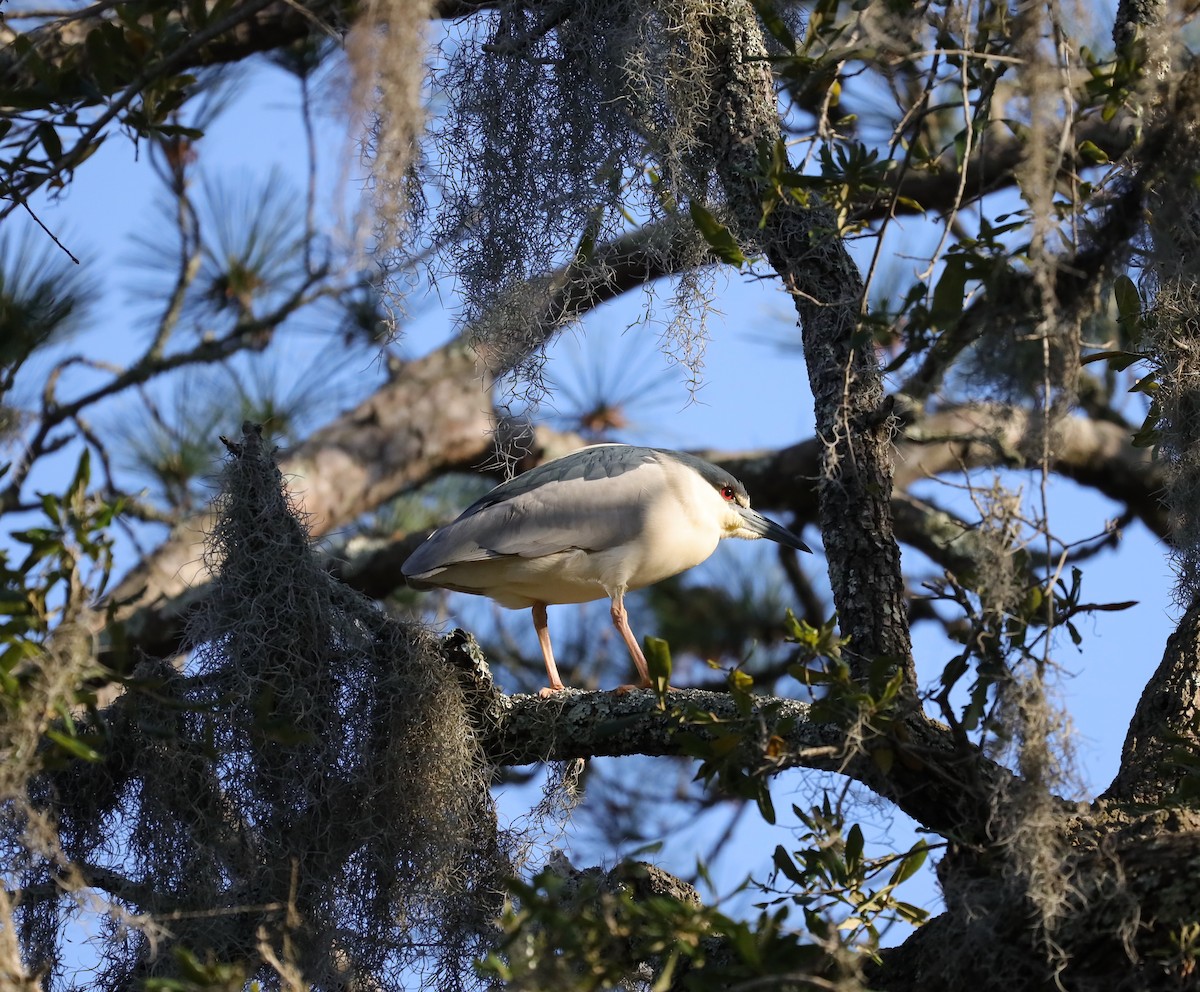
column 683, row 524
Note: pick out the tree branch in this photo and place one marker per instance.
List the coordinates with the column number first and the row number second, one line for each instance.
column 1095, row 453
column 1098, row 454
column 351, row 466
column 853, row 427
column 247, row 28
column 1132, row 897
column 942, row 784
column 1164, row 734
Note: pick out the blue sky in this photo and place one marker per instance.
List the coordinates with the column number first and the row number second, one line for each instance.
column 754, row 394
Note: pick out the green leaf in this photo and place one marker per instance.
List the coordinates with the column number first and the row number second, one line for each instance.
column 910, row 864
column 1119, row 361
column 910, row 913
column 722, row 243
column 775, row 25
column 884, row 758
column 1147, row 384
column 1147, row 436
column 1129, row 307
column 79, row 484
column 1092, row 153
column 51, row 508
column 739, row 681
column 35, row 536
column 854, row 848
column 50, row 141
column 586, row 248
column 955, row 669
column 766, row 808
column 948, row 294
column 100, row 61
column 786, row 866
column 658, row 661
column 74, row 746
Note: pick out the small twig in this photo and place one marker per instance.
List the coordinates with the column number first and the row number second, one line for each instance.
column 163, row 67
column 50, row 234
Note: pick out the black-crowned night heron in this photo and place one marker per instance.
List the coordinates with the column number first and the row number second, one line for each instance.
column 591, row 524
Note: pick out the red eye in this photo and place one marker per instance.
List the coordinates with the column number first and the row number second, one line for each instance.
column 727, row 493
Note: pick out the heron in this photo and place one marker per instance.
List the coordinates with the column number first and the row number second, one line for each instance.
column 589, row 525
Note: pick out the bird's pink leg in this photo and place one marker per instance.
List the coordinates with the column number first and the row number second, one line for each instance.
column 542, row 626
column 620, row 620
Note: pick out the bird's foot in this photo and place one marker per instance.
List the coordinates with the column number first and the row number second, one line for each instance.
column 622, row 689
column 551, row 690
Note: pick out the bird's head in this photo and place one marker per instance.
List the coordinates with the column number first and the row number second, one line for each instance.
column 735, row 517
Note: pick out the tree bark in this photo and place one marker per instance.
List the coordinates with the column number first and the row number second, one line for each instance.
column 1125, row 928
column 853, row 422
column 1163, row 742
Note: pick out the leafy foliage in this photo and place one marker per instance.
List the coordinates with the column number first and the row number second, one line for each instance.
column 47, row 600
column 835, row 883
column 602, row 929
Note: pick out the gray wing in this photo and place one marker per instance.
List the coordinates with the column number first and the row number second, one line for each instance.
column 600, row 461
column 587, row 508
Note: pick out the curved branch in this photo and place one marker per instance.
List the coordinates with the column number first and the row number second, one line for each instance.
column 991, row 169
column 342, row 471
column 1095, row 453
column 1130, row 897
column 944, row 785
column 248, row 27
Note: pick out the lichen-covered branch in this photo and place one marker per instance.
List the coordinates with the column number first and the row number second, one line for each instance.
column 1132, row 909
column 935, row 779
column 853, row 422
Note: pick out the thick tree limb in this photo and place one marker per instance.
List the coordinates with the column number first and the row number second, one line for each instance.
column 1164, row 734
column 1094, row 453
column 990, row 169
column 852, row 424
column 63, row 42
column 1132, row 895
column 345, row 469
column 944, row 785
